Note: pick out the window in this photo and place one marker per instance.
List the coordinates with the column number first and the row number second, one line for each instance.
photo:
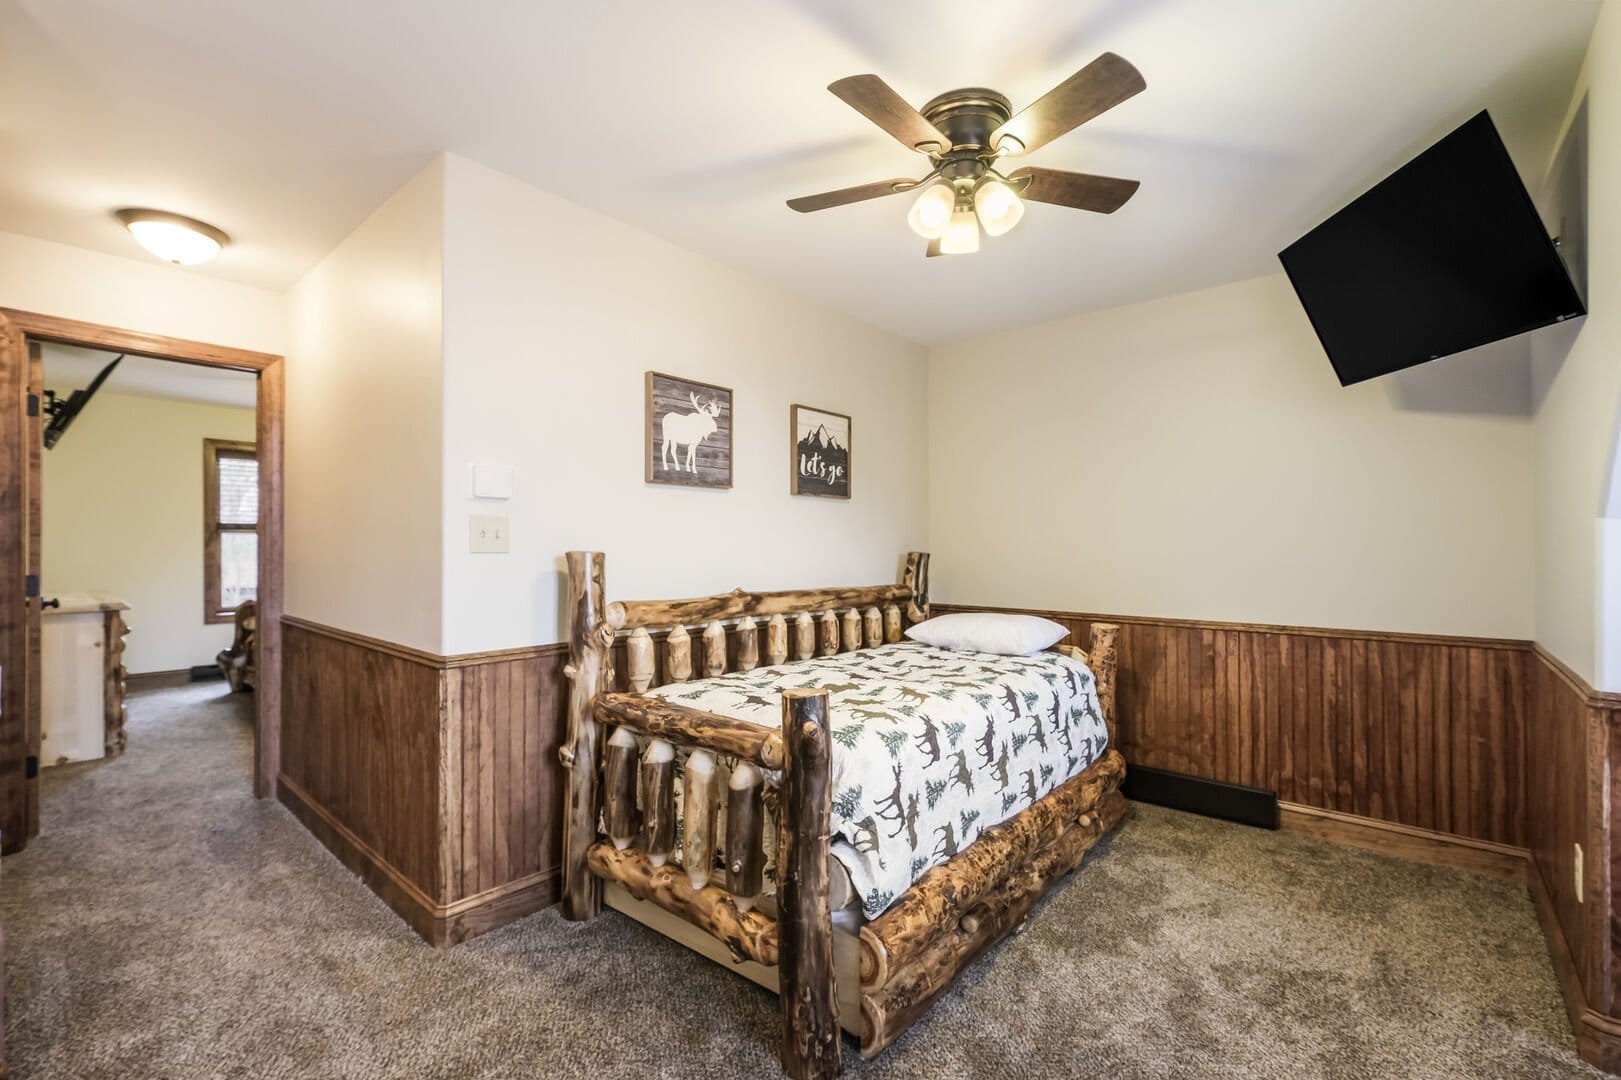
column 230, row 527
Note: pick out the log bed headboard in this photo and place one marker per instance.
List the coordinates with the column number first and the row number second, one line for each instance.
column 824, row 622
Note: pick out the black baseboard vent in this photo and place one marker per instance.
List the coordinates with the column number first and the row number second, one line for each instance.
column 206, row 672
column 1212, row 798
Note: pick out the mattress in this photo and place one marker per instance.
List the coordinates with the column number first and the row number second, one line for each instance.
column 930, row 747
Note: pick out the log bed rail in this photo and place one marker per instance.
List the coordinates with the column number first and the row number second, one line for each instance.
column 620, row 821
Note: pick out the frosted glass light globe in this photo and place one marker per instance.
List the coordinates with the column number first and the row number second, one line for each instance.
column 930, row 215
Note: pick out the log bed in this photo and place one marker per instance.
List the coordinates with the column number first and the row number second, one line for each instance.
column 873, row 981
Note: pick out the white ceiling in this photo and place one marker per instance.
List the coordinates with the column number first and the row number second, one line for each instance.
column 286, row 122
column 68, row 367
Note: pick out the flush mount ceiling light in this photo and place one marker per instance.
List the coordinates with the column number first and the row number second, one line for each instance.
column 172, row 237
column 965, row 132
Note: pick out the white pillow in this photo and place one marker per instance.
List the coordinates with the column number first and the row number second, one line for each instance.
column 988, row 631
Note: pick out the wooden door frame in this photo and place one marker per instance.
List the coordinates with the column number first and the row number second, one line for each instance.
column 268, row 417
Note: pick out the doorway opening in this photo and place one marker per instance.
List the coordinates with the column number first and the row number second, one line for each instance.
column 209, row 585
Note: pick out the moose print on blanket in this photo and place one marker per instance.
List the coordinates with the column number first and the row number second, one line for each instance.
column 930, row 747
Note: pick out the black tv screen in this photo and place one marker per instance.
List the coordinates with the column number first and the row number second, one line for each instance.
column 1445, row 254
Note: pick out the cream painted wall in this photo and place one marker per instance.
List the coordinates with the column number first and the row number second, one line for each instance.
column 552, row 315
column 1576, row 425
column 123, row 514
column 138, row 294
column 1194, row 457
column 363, row 430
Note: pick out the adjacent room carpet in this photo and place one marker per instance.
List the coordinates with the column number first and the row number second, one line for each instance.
column 167, row 925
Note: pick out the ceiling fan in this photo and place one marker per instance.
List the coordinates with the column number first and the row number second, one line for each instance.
column 965, row 133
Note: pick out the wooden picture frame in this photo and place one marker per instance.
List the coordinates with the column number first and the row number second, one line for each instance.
column 822, row 469
column 696, row 450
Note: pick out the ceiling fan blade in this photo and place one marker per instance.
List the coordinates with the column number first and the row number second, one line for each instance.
column 933, row 249
column 1083, row 191
column 871, row 97
column 1091, row 91
column 806, row 203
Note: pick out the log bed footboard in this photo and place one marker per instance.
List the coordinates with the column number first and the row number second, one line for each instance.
column 620, row 820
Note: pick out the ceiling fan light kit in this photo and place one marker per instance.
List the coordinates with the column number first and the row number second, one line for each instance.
column 965, row 132
column 962, row 235
column 998, row 206
column 930, row 215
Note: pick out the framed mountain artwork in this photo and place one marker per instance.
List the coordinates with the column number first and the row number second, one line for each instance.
column 689, row 432
column 821, row 461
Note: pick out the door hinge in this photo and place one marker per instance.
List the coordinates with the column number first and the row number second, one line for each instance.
column 33, row 404
column 31, row 586
column 31, row 767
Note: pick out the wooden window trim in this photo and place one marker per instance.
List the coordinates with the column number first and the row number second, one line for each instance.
column 212, row 448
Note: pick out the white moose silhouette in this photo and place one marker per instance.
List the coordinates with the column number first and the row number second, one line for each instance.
column 687, row 429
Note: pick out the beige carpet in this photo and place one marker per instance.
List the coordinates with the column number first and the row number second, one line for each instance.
column 166, row 925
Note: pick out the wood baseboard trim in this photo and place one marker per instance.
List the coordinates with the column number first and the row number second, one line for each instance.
column 497, row 907
column 158, row 680
column 441, row 925
column 1598, row 1037
column 1407, row 842
column 396, row 890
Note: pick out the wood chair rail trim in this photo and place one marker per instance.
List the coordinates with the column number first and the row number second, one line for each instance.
column 1258, row 628
column 440, row 661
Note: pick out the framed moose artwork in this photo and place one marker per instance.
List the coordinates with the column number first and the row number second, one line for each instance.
column 821, row 452
column 689, row 432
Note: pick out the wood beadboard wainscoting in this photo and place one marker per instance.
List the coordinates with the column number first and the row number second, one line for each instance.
column 436, row 778
column 433, row 778
column 1572, row 799
column 1425, row 732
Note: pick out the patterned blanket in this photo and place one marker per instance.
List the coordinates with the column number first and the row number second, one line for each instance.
column 930, row 747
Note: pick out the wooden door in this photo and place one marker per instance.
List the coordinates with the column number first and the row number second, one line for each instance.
column 19, row 442
column 33, row 607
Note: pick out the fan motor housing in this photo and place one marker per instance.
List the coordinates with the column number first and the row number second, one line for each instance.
column 968, row 116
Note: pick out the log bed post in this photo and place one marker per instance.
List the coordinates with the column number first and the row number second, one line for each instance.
column 1102, row 660
column 916, row 580
column 591, row 635
column 810, row 1016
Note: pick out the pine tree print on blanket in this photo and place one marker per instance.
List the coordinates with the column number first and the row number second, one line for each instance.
column 930, row 747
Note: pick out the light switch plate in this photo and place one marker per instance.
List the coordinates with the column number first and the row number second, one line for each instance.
column 487, row 534
column 492, row 481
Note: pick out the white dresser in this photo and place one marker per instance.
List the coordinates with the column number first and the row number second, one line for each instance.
column 82, row 679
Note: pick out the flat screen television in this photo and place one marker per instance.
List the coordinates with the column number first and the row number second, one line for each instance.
column 1445, row 254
